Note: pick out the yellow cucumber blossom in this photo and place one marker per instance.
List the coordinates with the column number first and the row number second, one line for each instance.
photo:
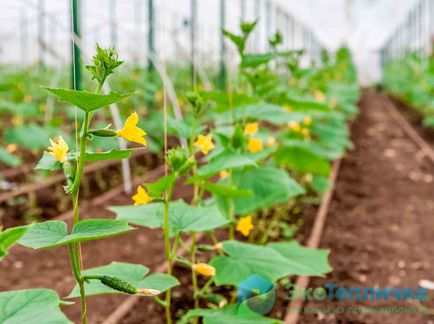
column 245, row 225
column 223, row 174
column 131, row 132
column 141, row 197
column 294, row 126
column 254, row 145
column 11, row 148
column 59, row 150
column 271, row 141
column 305, row 132
column 218, row 246
column 251, row 129
column 204, row 143
column 307, row 121
column 204, row 269
column 319, row 95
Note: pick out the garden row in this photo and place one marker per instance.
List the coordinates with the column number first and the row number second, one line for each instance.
column 252, row 154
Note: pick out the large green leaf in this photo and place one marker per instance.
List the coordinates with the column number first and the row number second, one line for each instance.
column 9, row 159
column 9, row 237
column 301, row 159
column 131, row 273
column 48, row 163
column 225, row 161
column 269, row 185
column 86, row 100
column 274, row 261
column 156, row 188
column 225, row 191
column 55, row 233
column 228, row 314
column 182, row 217
column 30, row 136
column 31, row 306
column 271, row 113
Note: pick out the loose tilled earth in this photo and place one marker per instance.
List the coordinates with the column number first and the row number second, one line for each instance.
column 379, row 229
column 380, row 225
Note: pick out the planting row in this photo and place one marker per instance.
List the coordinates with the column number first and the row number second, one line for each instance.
column 411, row 79
column 251, row 154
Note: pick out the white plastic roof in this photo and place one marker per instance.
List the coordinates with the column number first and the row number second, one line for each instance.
column 364, row 24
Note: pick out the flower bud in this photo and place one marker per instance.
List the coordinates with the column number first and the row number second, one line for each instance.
column 179, row 160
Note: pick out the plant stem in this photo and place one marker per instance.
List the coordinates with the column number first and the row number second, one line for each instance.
column 168, row 251
column 193, row 273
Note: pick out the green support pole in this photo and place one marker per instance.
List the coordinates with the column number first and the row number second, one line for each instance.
column 151, row 34
column 222, row 76
column 193, row 25
column 75, row 61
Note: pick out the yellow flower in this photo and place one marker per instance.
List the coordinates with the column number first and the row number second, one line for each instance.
column 204, row 143
column 305, row 132
column 245, row 225
column 254, row 145
column 131, row 132
column 204, row 269
column 271, row 141
column 251, row 129
column 17, row 120
column 218, row 246
column 59, row 150
column 294, row 126
column 141, row 197
column 307, row 121
column 319, row 95
column 11, row 148
column 224, row 174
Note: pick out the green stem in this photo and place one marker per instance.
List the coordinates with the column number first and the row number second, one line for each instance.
column 168, row 252
column 205, row 287
column 193, row 273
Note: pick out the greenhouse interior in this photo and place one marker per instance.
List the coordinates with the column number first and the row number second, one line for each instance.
column 216, row 161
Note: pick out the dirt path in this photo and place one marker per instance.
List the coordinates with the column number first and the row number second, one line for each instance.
column 380, row 227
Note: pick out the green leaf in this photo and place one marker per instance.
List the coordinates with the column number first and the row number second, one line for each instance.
column 9, row 237
column 158, row 187
column 228, row 314
column 182, row 217
column 110, row 155
column 225, row 191
column 225, row 161
column 320, row 184
column 9, row 159
column 86, row 100
column 55, row 233
column 274, row 261
column 49, row 163
column 30, row 136
column 269, row 185
column 301, row 159
column 131, row 273
column 31, row 306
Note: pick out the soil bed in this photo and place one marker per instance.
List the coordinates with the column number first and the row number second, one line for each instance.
column 380, row 225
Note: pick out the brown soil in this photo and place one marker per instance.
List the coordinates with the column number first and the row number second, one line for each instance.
column 378, row 229
column 380, row 225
